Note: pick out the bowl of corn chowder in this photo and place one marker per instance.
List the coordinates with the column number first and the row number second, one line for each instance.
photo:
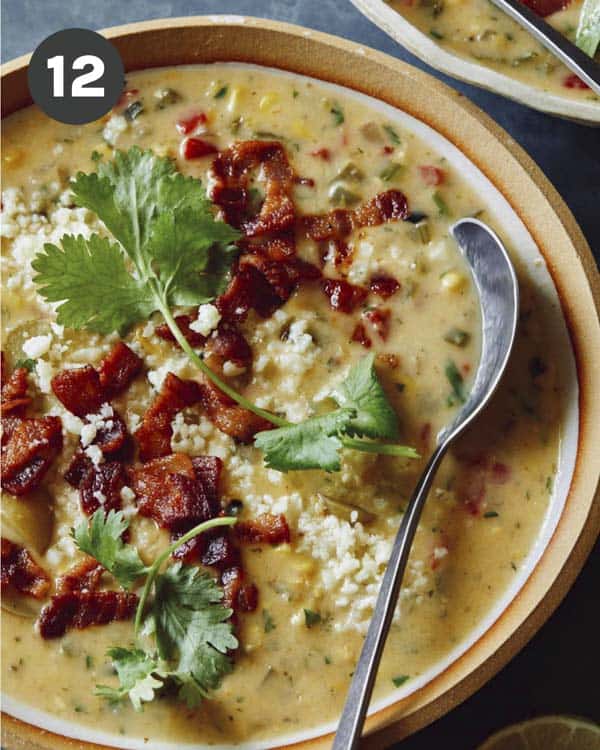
column 476, row 42
column 221, row 383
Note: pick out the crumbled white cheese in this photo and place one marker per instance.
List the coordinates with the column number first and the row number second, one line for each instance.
column 37, row 346
column 95, row 455
column 207, row 320
column 114, row 128
column 231, row 370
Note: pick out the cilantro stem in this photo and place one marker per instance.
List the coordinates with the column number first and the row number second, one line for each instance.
column 221, row 384
column 387, row 449
column 156, row 565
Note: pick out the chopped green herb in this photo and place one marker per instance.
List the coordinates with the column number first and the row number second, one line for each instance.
column 490, row 514
column 268, row 622
column 338, row 114
column 392, row 170
column 340, row 196
column 89, row 661
column 221, row 92
column 549, row 484
column 28, row 364
column 400, row 679
column 327, row 659
column 295, row 93
column 457, row 336
column 436, row 34
column 456, row 381
column 166, row 97
column 441, row 204
column 312, row 618
column 96, row 156
column 392, row 134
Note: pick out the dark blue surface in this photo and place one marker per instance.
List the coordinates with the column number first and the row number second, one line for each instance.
column 557, row 672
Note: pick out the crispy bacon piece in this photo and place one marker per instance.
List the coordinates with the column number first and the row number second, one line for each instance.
column 360, row 336
column 193, row 338
column 545, row 8
column 268, row 528
column 20, row 570
column 85, row 576
column 14, row 399
column 80, row 609
column 79, row 390
column 113, row 439
column 237, row 595
column 389, row 206
column 220, row 550
column 32, row 445
column 101, row 486
column 384, row 286
column 177, row 493
column 154, row 434
column 116, row 371
column 84, row 389
column 380, row 320
column 343, row 296
column 229, row 417
column 232, row 170
column 228, row 344
column 432, row 176
column 247, row 290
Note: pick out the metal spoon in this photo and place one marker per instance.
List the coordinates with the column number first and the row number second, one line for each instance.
column 496, row 282
column 568, row 53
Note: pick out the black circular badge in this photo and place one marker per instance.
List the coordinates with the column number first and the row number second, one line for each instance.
column 75, row 76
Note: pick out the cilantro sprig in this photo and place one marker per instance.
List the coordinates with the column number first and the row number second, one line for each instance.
column 180, row 608
column 170, row 249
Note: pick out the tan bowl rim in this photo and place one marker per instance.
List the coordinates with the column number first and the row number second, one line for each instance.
column 535, row 201
column 408, row 35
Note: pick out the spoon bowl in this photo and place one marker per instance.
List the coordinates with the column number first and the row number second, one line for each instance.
column 497, row 286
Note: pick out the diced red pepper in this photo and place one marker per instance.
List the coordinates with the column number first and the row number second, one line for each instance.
column 546, row 7
column 343, row 297
column 574, row 82
column 360, row 336
column 431, row 175
column 196, row 148
column 187, row 125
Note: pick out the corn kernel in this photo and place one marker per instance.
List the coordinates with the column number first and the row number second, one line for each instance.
column 300, row 130
column 453, row 281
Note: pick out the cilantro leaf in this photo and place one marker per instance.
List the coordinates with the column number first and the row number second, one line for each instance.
column 181, row 254
column 90, row 279
column 363, row 392
column 138, row 677
column 102, row 539
column 192, row 628
column 312, row 444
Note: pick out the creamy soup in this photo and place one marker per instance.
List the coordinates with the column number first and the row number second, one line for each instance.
column 479, row 31
column 408, row 300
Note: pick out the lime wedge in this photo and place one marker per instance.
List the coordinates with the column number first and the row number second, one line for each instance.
column 547, row 733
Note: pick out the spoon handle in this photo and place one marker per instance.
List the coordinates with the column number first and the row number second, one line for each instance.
column 568, row 53
column 349, row 729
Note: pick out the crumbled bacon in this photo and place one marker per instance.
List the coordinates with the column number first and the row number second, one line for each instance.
column 80, row 609
column 14, row 399
column 268, row 528
column 83, row 390
column 79, row 390
column 384, row 286
column 193, row 338
column 360, row 336
column 85, row 576
column 389, row 206
column 343, row 296
column 120, row 366
column 32, row 445
column 228, row 344
column 177, row 493
column 101, row 486
column 186, row 125
column 155, row 433
column 220, row 550
column 237, row 595
column 20, row 570
column 229, row 417
column 322, row 153
column 247, row 290
column 380, row 320
column 113, row 439
column 231, row 172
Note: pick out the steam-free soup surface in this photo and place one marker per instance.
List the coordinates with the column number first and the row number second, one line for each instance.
column 490, row 497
